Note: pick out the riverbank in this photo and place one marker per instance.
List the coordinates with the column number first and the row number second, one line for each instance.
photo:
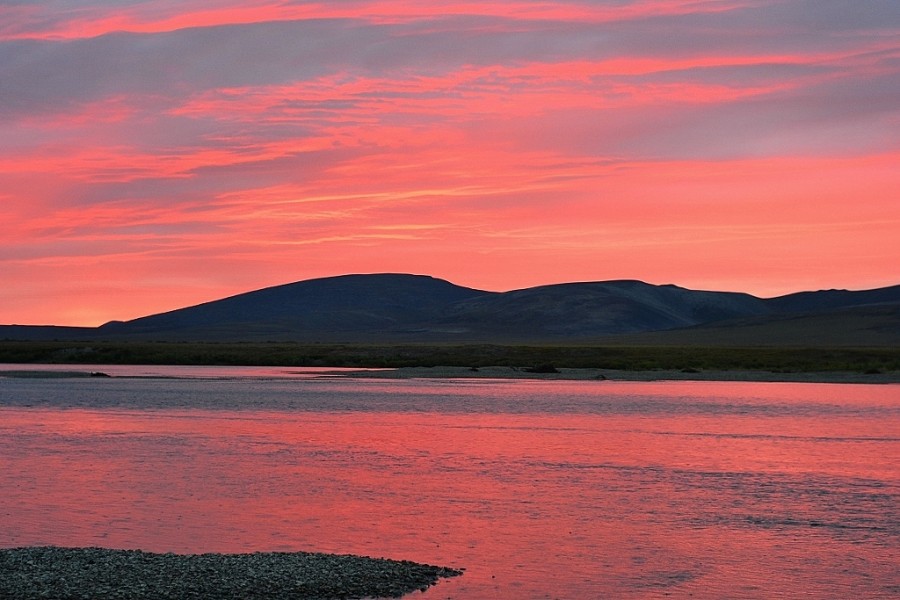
column 698, row 361
column 620, row 375
column 454, row 372
column 101, row 574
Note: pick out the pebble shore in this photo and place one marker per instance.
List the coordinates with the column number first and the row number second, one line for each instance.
column 102, row 574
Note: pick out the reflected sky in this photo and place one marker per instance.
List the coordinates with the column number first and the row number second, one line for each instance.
column 539, row 489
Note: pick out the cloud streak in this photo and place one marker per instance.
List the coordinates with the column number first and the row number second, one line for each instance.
column 180, row 151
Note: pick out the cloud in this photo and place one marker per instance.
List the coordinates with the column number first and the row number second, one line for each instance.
column 272, row 139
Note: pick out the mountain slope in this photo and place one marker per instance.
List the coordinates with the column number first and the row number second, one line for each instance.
column 872, row 326
column 827, row 300
column 344, row 307
column 580, row 310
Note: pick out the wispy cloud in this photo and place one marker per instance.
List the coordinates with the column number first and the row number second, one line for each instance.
column 194, row 149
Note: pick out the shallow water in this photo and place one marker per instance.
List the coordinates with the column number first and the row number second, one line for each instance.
column 540, row 489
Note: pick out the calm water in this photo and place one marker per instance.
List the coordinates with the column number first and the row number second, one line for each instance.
column 539, row 489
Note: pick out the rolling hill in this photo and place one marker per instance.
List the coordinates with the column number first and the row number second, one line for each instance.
column 401, row 308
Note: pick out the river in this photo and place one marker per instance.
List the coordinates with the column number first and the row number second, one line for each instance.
column 539, row 489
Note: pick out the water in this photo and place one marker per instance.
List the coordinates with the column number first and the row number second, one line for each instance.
column 540, row 489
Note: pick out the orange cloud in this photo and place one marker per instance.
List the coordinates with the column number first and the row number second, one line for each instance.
column 157, row 154
column 38, row 22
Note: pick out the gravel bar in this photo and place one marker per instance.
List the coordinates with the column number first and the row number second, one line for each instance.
column 103, row 574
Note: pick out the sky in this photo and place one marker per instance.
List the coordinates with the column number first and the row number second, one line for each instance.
column 155, row 154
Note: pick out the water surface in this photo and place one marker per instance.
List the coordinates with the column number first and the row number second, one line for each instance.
column 540, row 489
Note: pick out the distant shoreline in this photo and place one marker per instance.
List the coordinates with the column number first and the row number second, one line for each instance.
column 566, row 374
column 518, row 373
column 771, row 363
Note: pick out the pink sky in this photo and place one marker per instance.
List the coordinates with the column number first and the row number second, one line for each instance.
column 159, row 153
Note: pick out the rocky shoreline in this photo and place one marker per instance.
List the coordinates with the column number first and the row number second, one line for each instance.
column 103, row 574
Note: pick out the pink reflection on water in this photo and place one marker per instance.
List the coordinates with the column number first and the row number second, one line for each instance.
column 641, row 501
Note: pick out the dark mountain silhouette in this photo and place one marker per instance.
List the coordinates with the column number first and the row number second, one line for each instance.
column 876, row 325
column 580, row 310
column 827, row 300
column 399, row 308
column 333, row 308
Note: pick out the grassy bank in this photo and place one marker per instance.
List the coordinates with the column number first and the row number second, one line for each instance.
column 643, row 358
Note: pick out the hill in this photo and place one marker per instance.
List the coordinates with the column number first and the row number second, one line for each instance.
column 869, row 326
column 400, row 308
column 584, row 310
column 343, row 308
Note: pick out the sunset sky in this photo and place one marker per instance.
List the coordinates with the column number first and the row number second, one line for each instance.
column 160, row 153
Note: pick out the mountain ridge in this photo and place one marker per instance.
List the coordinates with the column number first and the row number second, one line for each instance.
column 407, row 308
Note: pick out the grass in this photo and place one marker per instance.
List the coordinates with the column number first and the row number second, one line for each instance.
column 630, row 358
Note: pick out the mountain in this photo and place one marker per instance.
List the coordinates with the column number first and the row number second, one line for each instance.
column 401, row 308
column 580, row 310
column 827, row 300
column 347, row 307
column 408, row 308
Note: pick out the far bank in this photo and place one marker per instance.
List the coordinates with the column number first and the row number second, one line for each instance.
column 862, row 365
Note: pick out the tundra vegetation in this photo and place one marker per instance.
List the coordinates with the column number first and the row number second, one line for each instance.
column 626, row 358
